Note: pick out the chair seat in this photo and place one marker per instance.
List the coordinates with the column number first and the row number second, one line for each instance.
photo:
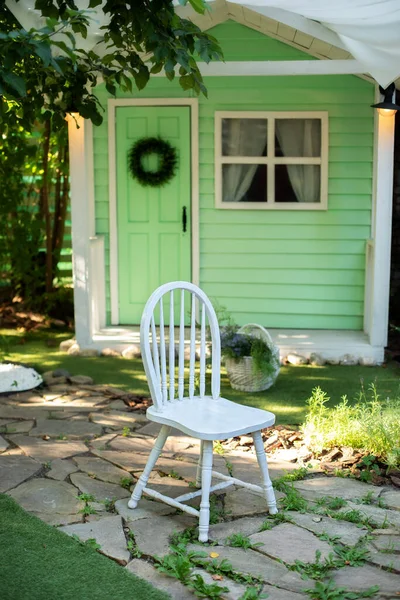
column 209, row 419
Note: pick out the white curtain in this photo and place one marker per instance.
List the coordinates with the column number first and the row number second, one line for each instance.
column 301, row 137
column 241, row 137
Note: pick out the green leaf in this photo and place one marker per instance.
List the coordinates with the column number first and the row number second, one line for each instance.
column 187, row 82
column 15, row 82
column 43, row 51
column 94, row 3
column 198, row 5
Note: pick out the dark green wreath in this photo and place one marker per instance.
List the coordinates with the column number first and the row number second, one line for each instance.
column 168, row 161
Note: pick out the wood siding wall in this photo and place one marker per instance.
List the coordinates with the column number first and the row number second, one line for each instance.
column 292, row 269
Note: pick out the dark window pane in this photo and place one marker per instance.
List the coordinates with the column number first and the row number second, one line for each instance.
column 244, row 183
column 244, row 137
column 298, row 183
column 298, row 137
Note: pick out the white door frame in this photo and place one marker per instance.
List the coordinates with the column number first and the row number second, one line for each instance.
column 194, row 129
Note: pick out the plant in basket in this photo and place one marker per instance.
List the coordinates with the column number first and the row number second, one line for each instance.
column 251, row 358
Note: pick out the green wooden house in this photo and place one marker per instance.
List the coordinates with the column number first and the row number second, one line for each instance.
column 280, row 208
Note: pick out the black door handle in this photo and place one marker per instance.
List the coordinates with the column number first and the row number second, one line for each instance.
column 184, row 219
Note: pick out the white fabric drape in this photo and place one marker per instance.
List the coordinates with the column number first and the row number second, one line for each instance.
column 301, row 137
column 368, row 29
column 241, row 137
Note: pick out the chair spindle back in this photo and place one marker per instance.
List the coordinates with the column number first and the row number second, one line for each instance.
column 160, row 375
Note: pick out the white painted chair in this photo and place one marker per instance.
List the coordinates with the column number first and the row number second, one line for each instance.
column 203, row 416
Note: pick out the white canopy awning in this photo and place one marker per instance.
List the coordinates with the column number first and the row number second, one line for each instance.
column 368, row 29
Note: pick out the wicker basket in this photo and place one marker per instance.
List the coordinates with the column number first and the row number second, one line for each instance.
column 240, row 372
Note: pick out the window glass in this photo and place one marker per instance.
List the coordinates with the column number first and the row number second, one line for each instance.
column 244, row 137
column 244, row 183
column 298, row 137
column 298, row 183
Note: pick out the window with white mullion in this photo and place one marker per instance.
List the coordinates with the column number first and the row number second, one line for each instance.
column 271, row 160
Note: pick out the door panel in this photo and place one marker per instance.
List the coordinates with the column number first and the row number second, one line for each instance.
column 152, row 247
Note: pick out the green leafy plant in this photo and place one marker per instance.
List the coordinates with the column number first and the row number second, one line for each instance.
column 125, row 431
column 126, row 482
column 293, row 500
column 328, row 591
column 353, row 556
column 90, row 543
column 253, row 593
column 131, row 546
column 332, row 503
column 315, row 570
column 237, row 540
column 236, row 345
column 372, row 425
column 206, row 590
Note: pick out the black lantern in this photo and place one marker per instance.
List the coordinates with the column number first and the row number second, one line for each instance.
column 387, row 108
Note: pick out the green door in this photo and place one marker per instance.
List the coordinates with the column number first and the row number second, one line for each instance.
column 152, row 246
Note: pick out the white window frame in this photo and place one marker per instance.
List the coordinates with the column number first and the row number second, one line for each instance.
column 270, row 160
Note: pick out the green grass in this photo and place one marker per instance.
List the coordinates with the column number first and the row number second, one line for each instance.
column 287, row 398
column 38, row 562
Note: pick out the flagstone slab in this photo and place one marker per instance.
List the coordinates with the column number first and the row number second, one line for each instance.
column 117, row 419
column 102, row 469
column 145, row 509
column 392, row 499
column 60, row 469
column 243, row 503
column 3, row 444
column 253, row 563
column 157, row 544
column 153, row 429
column 275, row 593
column 107, row 532
column 26, row 397
column 71, row 429
column 25, row 412
column 171, row 586
column 386, row 543
column 48, row 497
column 101, row 443
column 99, row 489
column 58, row 520
column 389, row 561
column 45, row 451
column 144, row 445
column 345, row 488
column 348, row 533
column 14, row 469
column 289, row 543
column 245, row 526
column 86, row 403
column 359, row 579
column 169, row 486
column 125, row 460
column 19, row 426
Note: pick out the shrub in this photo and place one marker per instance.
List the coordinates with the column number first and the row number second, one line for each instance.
column 372, row 424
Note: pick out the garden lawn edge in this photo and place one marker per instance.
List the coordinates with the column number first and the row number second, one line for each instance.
column 37, row 561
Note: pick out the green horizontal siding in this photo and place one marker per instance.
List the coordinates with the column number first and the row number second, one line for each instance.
column 294, row 269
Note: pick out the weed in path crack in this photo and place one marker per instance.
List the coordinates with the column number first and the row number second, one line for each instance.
column 329, row 591
column 237, row 540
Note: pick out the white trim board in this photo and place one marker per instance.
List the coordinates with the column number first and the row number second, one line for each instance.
column 194, row 127
column 279, row 67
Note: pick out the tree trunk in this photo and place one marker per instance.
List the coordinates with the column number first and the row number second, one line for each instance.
column 61, row 204
column 45, row 207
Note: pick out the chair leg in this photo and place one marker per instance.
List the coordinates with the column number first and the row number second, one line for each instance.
column 154, row 454
column 199, row 465
column 266, row 481
column 206, row 474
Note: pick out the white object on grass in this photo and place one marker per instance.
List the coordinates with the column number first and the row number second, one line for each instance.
column 16, row 378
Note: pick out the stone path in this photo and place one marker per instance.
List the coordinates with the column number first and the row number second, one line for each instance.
column 70, row 453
